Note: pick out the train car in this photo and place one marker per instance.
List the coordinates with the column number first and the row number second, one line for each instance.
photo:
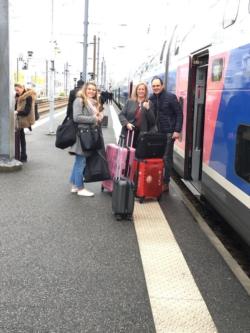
column 208, row 68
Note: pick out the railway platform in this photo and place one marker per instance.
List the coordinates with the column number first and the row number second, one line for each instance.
column 67, row 265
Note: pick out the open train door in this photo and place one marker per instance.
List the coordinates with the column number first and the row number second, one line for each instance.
column 199, row 69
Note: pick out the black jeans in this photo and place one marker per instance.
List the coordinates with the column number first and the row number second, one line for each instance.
column 168, row 157
column 23, row 144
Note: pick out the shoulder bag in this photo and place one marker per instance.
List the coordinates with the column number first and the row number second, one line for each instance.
column 90, row 137
column 66, row 134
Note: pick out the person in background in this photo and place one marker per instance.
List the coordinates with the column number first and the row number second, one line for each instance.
column 169, row 118
column 134, row 116
column 86, row 110
column 25, row 111
column 72, row 96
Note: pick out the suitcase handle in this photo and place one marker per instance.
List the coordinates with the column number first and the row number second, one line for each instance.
column 130, row 135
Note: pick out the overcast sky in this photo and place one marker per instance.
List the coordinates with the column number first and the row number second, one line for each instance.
column 139, row 26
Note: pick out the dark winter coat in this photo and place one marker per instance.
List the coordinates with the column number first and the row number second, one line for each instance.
column 127, row 115
column 167, row 111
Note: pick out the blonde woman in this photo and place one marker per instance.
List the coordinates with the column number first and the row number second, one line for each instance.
column 86, row 110
column 134, row 116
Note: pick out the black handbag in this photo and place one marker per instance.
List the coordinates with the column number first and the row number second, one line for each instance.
column 150, row 145
column 96, row 167
column 90, row 137
column 66, row 134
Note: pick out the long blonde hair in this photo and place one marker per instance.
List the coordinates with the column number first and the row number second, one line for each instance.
column 134, row 95
column 82, row 94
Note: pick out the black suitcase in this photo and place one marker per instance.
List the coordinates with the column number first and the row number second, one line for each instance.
column 123, row 199
column 123, row 196
column 150, row 145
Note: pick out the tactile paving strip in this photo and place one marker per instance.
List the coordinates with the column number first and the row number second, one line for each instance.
column 176, row 302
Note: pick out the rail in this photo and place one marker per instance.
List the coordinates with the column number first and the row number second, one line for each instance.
column 43, row 104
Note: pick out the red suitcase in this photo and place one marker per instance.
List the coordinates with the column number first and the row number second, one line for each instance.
column 148, row 178
column 127, row 156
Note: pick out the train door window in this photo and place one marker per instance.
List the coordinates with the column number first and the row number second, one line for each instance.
column 230, row 13
column 217, row 68
column 242, row 161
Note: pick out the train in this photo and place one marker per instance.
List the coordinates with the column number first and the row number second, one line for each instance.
column 206, row 63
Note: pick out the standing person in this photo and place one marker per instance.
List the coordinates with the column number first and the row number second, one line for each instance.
column 86, row 110
column 169, row 120
column 25, row 111
column 134, row 116
column 72, row 96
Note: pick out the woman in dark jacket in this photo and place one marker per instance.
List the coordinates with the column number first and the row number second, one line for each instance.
column 134, row 116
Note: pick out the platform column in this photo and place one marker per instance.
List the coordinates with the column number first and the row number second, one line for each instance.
column 7, row 163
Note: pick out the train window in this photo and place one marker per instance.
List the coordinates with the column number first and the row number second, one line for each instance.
column 230, row 13
column 242, row 161
column 217, row 69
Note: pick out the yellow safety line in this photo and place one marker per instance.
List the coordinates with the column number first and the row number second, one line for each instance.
column 176, row 302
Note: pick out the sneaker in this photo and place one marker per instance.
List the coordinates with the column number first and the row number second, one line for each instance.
column 74, row 189
column 85, row 193
column 165, row 188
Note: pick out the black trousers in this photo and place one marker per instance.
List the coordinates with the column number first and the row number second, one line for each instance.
column 168, row 157
column 23, row 144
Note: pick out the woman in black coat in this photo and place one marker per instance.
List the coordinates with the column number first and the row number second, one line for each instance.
column 134, row 116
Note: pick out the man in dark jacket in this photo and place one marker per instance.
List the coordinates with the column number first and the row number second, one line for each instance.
column 169, row 119
column 72, row 96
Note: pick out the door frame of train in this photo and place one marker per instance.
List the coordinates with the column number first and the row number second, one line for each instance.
column 198, row 64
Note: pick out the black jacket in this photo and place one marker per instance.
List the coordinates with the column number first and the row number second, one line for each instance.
column 127, row 115
column 167, row 111
column 72, row 97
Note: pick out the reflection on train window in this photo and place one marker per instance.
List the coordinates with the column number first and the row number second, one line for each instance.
column 242, row 161
column 217, row 68
column 230, row 13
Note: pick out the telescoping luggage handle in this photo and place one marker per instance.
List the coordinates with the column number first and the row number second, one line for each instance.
column 121, row 143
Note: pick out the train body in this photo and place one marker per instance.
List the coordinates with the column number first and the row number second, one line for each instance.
column 207, row 65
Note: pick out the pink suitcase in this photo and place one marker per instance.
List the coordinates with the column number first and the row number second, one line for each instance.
column 127, row 156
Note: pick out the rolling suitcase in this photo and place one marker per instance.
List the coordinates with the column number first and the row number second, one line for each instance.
column 148, row 178
column 123, row 197
column 151, row 145
column 127, row 157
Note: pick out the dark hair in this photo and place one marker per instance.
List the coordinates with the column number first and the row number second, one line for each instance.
column 157, row 78
column 80, row 83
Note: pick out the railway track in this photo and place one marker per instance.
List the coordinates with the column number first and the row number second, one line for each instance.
column 232, row 242
column 43, row 104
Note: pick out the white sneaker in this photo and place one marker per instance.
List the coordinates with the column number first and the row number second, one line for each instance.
column 74, row 190
column 85, row 193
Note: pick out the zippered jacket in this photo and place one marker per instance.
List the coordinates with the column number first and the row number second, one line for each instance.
column 167, row 111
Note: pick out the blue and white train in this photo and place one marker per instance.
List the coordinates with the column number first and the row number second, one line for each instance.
column 207, row 65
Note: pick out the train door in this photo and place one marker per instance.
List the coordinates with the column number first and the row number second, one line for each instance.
column 199, row 68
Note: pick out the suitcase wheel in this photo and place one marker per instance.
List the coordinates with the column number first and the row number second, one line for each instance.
column 159, row 198
column 141, row 200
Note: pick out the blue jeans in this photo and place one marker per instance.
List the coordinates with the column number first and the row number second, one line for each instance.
column 77, row 177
